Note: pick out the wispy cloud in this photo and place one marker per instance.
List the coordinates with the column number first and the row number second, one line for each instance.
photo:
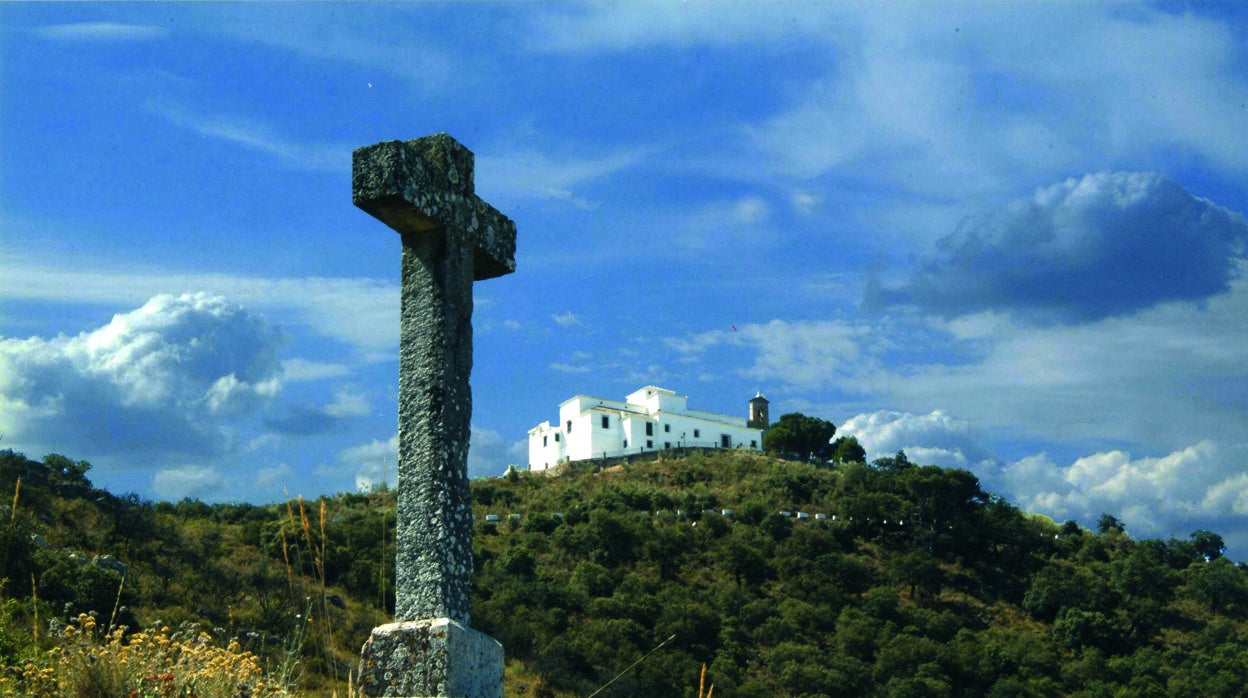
column 623, row 26
column 530, row 174
column 100, row 31
column 566, row 319
column 256, row 135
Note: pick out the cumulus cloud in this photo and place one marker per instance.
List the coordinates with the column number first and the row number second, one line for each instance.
column 1199, row 486
column 165, row 377
column 360, row 312
column 1102, row 245
column 935, row 438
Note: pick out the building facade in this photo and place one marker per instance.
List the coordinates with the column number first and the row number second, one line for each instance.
column 650, row 419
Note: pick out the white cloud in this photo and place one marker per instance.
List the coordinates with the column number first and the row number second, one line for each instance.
column 803, row 355
column 1159, row 378
column 625, row 26
column 174, row 484
column 1198, row 486
column 530, row 174
column 159, row 378
column 378, row 41
column 373, row 462
column 100, row 31
column 566, row 319
column 944, row 103
column 298, row 370
column 732, row 223
column 256, row 135
column 563, row 367
column 272, row 479
column 935, row 438
column 361, row 312
column 347, row 404
column 806, row 354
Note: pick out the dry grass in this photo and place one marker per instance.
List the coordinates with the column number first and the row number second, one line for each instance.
column 150, row 664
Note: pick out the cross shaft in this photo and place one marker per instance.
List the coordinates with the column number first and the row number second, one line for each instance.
column 423, row 189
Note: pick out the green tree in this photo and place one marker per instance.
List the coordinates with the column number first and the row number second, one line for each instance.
column 1109, row 522
column 1207, row 544
column 801, row 436
column 64, row 471
column 847, row 450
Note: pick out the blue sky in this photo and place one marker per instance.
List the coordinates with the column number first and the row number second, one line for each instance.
column 1008, row 237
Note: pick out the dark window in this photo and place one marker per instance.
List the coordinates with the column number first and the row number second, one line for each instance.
column 753, row 443
column 649, row 428
column 697, row 433
column 625, row 443
column 649, row 443
column 606, row 422
column 543, row 442
column 667, row 428
column 667, row 444
column 556, row 438
column 725, row 440
column 569, row 426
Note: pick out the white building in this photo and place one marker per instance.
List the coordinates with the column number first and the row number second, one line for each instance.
column 650, row 419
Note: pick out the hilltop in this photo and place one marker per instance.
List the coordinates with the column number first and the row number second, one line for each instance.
column 915, row 582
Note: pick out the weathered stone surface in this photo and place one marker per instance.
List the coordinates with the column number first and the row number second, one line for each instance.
column 424, row 190
column 424, row 659
column 426, row 184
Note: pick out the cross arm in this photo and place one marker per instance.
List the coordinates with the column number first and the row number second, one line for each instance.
column 425, row 185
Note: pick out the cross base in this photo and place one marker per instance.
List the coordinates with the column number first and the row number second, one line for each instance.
column 433, row 658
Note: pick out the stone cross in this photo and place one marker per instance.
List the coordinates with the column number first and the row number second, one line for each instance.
column 423, row 189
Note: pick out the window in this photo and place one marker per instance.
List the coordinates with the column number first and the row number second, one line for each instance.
column 556, row 437
column 569, row 430
column 649, row 428
column 667, row 444
column 606, row 422
column 667, row 428
column 697, row 433
column 543, row 442
column 649, row 443
column 625, row 443
column 753, row 444
column 725, row 441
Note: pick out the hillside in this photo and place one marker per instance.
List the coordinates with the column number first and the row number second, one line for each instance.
column 916, row 582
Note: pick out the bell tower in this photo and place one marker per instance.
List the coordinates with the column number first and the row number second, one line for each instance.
column 758, row 413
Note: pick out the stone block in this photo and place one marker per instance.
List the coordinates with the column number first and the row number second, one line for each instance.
column 434, row 658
